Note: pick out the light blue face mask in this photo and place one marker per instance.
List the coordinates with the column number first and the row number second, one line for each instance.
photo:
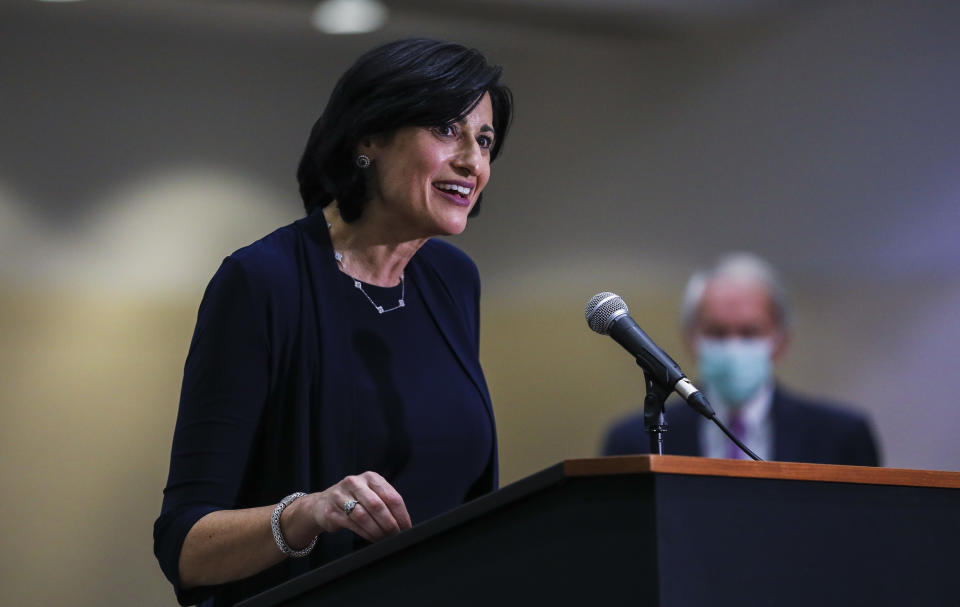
column 735, row 368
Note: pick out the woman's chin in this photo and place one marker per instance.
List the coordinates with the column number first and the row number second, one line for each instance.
column 457, row 229
column 452, row 224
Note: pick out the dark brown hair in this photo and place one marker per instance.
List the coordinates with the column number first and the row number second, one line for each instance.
column 412, row 82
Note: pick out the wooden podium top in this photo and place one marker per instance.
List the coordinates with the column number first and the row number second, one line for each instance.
column 702, row 466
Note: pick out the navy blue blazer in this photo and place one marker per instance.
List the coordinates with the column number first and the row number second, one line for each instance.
column 803, row 431
column 266, row 403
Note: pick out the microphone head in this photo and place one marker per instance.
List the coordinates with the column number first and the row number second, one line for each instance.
column 603, row 309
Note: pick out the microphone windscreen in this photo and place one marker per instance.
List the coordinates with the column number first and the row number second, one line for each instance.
column 603, row 309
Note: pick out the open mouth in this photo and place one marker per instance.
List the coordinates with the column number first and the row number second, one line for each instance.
column 459, row 193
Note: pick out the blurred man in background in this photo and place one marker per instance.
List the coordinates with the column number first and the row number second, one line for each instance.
column 737, row 323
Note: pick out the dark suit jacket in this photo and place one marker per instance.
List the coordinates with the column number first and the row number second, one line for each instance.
column 803, row 431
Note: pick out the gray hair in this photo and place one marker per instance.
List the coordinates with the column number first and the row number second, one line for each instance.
column 744, row 267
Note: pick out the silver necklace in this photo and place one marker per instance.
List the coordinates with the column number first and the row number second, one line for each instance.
column 359, row 285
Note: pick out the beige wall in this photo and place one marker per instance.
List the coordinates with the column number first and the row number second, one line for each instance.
column 138, row 151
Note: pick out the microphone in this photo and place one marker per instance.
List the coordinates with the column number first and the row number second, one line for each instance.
column 607, row 314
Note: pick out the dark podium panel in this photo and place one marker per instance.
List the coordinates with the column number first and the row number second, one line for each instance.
column 668, row 531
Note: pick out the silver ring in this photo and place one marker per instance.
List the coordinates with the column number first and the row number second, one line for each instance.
column 348, row 506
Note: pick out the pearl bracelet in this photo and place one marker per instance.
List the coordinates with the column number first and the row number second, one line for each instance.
column 278, row 535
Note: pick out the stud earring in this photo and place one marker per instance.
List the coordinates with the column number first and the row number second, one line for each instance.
column 363, row 161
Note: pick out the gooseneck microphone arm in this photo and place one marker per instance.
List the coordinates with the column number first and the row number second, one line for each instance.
column 608, row 314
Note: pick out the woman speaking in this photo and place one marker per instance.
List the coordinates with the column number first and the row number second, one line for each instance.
column 332, row 394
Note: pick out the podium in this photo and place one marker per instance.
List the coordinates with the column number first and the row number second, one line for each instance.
column 667, row 531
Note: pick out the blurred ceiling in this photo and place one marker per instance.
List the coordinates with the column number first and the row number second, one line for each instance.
column 605, row 17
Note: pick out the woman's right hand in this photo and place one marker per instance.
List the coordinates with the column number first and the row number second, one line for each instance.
column 379, row 512
column 228, row 545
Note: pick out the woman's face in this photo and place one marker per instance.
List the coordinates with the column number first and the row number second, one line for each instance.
column 426, row 179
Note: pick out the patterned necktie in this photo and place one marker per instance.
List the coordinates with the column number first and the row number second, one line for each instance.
column 737, row 428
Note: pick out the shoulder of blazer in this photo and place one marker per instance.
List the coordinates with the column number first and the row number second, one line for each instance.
column 789, row 407
column 452, row 265
column 456, row 275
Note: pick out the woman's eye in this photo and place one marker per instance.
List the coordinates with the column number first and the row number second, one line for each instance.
column 485, row 141
column 446, row 130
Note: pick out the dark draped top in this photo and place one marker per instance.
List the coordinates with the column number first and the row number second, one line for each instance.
column 294, row 381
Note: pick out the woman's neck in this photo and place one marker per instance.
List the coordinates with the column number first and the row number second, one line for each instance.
column 370, row 252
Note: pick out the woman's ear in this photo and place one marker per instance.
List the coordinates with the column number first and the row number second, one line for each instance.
column 372, row 144
column 366, row 146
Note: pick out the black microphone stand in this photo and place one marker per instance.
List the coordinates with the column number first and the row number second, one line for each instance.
column 653, row 411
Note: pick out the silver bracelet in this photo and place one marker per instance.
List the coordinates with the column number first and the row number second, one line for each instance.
column 278, row 535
